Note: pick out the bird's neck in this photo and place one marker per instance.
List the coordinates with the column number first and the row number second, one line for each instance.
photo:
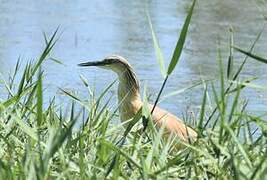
column 128, row 94
column 128, row 86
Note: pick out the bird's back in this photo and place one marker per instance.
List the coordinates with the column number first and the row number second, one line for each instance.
column 172, row 124
column 162, row 119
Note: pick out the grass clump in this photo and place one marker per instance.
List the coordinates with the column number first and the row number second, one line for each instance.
column 42, row 142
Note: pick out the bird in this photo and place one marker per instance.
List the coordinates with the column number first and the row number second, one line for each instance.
column 130, row 100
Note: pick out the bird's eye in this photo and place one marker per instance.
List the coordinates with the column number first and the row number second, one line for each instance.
column 115, row 60
column 111, row 61
column 107, row 61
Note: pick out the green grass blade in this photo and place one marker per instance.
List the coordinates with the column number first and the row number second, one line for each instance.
column 261, row 169
column 180, row 43
column 239, row 145
column 22, row 81
column 230, row 58
column 39, row 94
column 49, row 45
column 31, row 132
column 256, row 57
column 176, row 92
column 202, row 111
column 56, row 141
column 56, row 61
column 15, row 73
column 158, row 52
column 16, row 97
column 124, row 154
column 71, row 95
column 234, row 105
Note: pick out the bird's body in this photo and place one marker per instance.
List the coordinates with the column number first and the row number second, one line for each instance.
column 130, row 101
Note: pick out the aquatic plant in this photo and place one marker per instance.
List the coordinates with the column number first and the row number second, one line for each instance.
column 42, row 142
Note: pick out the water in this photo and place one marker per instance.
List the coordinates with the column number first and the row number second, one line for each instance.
column 92, row 30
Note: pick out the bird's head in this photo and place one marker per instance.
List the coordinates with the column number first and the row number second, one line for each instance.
column 115, row 63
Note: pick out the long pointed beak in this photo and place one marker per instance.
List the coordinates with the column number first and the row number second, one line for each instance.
column 93, row 63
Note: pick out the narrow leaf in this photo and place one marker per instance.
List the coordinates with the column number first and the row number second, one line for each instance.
column 180, row 43
column 158, row 52
column 39, row 100
column 256, row 57
column 230, row 58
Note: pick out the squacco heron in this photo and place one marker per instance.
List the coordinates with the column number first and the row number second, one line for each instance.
column 130, row 100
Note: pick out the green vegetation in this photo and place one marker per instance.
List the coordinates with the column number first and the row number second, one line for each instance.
column 40, row 141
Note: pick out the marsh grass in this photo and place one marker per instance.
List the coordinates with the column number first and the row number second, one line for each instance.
column 42, row 142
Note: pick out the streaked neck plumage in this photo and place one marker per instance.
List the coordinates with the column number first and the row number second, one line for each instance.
column 128, row 93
